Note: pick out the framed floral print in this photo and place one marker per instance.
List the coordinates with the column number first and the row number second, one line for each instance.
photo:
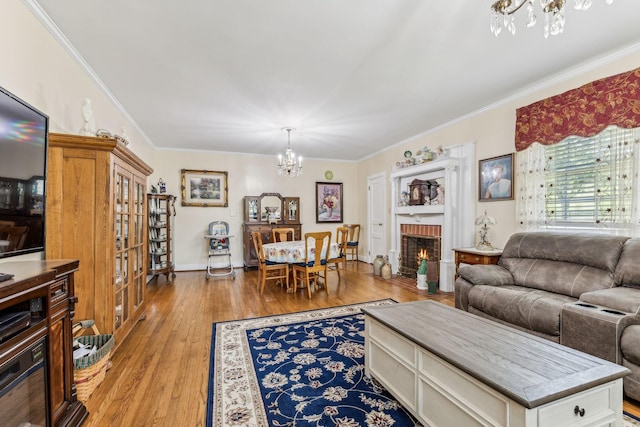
column 328, row 202
column 204, row 188
column 496, row 178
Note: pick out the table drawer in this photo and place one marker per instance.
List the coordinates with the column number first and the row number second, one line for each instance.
column 469, row 258
column 445, row 386
column 59, row 290
column 595, row 403
column 398, row 379
column 397, row 345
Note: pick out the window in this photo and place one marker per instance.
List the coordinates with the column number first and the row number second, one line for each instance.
column 581, row 182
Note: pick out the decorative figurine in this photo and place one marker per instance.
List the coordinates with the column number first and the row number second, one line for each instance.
column 89, row 126
column 439, row 200
column 162, row 186
column 404, row 198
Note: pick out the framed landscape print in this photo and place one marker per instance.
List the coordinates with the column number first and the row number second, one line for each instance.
column 328, row 202
column 496, row 179
column 204, row 188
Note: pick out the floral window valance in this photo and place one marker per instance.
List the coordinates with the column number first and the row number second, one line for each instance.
column 584, row 111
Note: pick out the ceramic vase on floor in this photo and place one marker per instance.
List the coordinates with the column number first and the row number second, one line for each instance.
column 385, row 270
column 377, row 265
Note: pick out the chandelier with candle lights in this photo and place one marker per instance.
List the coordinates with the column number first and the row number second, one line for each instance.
column 289, row 165
column 502, row 14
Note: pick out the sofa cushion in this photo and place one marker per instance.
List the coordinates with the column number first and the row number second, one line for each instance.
column 486, row 275
column 533, row 309
column 627, row 272
column 568, row 264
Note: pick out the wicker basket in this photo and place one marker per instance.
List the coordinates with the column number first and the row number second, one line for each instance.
column 90, row 370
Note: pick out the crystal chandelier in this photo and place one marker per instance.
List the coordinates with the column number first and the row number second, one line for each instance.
column 502, row 12
column 289, row 165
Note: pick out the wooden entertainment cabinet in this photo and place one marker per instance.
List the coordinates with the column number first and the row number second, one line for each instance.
column 45, row 289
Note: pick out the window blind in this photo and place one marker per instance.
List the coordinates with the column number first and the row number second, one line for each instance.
column 590, row 180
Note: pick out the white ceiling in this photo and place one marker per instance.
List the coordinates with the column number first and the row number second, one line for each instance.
column 352, row 76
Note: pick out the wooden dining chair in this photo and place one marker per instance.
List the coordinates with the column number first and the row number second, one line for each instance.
column 315, row 265
column 342, row 233
column 268, row 270
column 282, row 234
column 353, row 240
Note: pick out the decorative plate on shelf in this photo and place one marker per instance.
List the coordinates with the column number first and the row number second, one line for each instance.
column 407, row 154
column 328, row 175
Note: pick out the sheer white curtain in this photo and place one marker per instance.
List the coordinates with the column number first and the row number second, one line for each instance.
column 581, row 183
column 530, row 187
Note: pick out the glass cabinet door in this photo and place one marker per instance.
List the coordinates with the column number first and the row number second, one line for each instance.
column 292, row 210
column 122, row 279
column 139, row 245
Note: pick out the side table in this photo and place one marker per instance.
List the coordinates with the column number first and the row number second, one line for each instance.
column 475, row 256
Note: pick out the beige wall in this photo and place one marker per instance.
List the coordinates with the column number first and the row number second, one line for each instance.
column 248, row 176
column 36, row 68
column 493, row 131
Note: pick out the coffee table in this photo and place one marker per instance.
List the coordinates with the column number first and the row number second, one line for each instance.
column 453, row 368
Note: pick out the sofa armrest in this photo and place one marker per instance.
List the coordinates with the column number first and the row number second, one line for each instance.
column 492, row 275
column 621, row 298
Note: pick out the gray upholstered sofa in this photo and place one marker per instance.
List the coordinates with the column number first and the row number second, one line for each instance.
column 581, row 290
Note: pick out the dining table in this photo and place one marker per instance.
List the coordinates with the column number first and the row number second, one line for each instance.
column 293, row 251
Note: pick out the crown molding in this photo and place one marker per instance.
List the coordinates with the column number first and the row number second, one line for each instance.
column 53, row 29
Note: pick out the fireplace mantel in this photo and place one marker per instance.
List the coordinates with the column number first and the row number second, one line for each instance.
column 455, row 216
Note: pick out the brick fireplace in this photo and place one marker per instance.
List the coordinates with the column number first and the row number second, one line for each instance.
column 442, row 226
column 414, row 239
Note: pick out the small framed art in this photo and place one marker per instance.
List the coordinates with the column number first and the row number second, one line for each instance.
column 496, row 178
column 328, row 202
column 204, row 188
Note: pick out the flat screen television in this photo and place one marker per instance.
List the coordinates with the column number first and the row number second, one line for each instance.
column 23, row 170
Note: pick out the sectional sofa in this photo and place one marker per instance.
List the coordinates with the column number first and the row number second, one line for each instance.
column 580, row 290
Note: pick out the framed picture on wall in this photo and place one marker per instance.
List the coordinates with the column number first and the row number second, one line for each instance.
column 204, row 188
column 328, row 202
column 496, row 178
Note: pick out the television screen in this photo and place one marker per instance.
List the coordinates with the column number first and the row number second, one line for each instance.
column 23, row 152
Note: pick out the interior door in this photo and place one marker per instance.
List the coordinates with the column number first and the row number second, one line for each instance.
column 377, row 209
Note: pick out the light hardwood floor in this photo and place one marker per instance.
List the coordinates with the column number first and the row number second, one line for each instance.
column 159, row 374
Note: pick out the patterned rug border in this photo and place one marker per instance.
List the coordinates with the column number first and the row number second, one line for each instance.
column 295, row 317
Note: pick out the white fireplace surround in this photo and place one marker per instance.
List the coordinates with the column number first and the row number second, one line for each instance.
column 456, row 216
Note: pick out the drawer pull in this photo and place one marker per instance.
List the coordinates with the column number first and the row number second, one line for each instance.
column 578, row 411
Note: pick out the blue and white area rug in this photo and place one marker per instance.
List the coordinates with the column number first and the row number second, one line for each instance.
column 299, row 369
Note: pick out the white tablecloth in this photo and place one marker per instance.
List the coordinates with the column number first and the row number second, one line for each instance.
column 293, row 251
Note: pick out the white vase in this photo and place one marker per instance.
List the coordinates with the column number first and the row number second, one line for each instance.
column 329, row 212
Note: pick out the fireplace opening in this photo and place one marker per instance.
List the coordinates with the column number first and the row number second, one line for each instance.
column 412, row 250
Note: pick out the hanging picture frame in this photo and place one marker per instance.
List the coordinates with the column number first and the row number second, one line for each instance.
column 204, row 188
column 495, row 179
column 328, row 202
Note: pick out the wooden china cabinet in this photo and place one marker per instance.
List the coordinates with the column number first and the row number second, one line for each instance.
column 263, row 213
column 96, row 212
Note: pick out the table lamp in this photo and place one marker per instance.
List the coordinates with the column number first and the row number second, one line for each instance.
column 485, row 221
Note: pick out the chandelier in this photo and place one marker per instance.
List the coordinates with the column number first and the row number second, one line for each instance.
column 502, row 12
column 289, row 165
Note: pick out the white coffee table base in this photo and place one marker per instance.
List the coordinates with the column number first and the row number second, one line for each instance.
column 438, row 393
